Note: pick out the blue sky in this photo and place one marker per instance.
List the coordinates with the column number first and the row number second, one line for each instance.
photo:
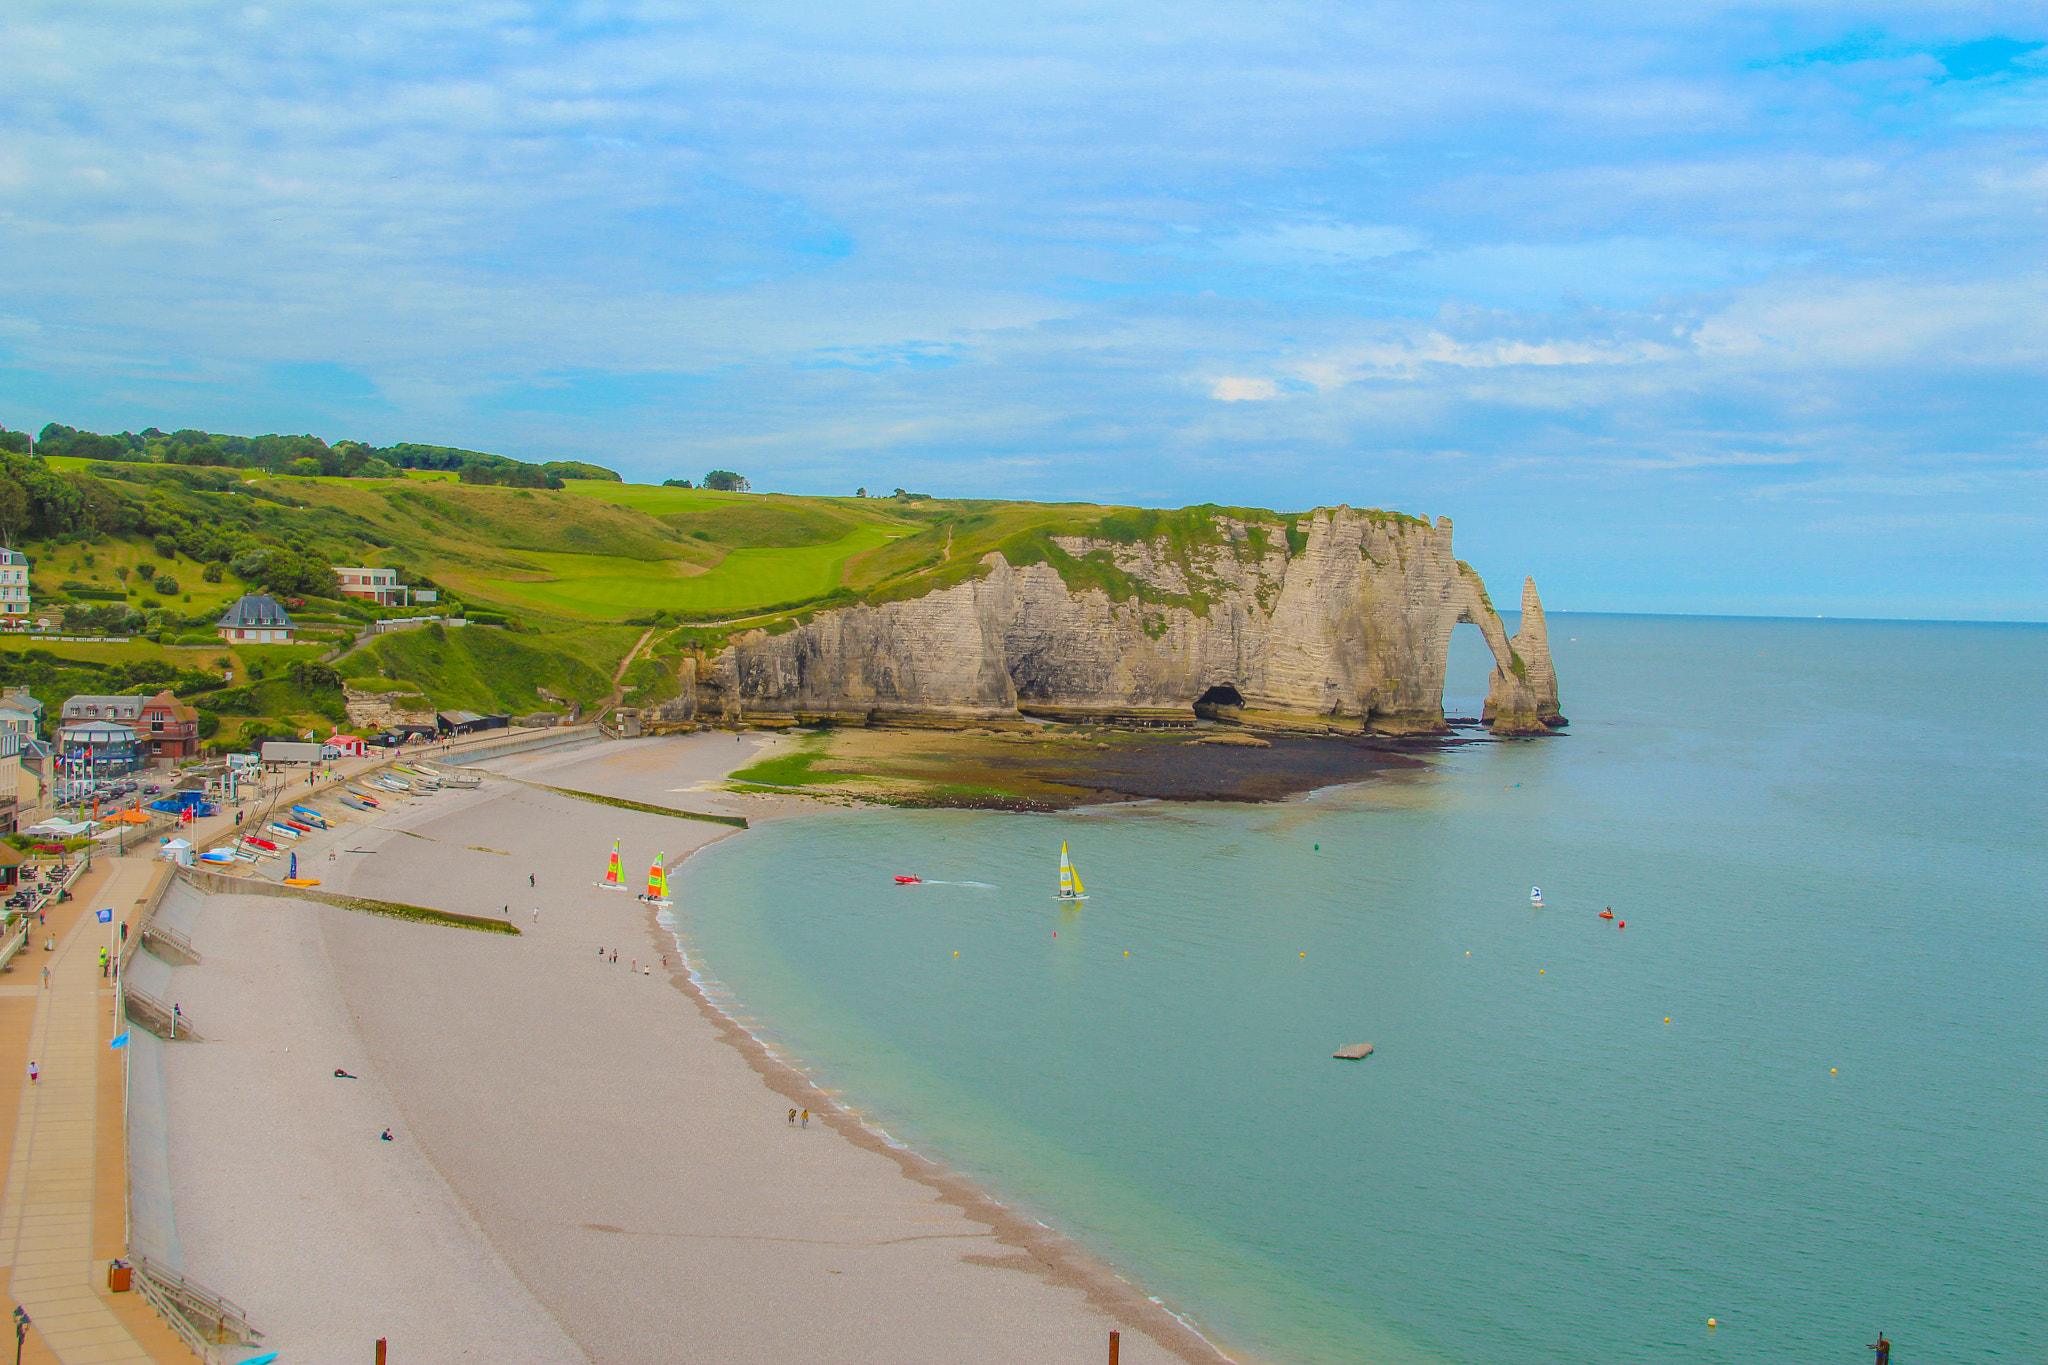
column 1679, row 307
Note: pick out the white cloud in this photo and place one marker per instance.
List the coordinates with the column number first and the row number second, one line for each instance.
column 1236, row 389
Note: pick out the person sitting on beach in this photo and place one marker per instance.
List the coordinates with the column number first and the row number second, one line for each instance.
column 343, row 1074
column 387, row 1135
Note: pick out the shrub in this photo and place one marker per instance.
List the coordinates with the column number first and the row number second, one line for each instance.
column 166, row 548
column 211, row 573
column 166, row 585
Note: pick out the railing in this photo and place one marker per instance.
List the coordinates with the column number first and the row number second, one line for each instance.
column 162, row 936
column 163, row 1020
column 156, row 1298
column 201, row 1317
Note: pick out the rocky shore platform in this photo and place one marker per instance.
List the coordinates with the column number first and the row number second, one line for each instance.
column 1060, row 767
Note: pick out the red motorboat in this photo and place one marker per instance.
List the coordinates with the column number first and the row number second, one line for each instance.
column 905, row 879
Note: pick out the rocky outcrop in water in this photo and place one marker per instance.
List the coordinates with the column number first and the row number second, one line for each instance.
column 1341, row 623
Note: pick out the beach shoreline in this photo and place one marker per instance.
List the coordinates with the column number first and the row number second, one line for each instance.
column 1039, row 1248
column 696, row 1225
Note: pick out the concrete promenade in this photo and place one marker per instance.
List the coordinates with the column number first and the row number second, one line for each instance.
column 64, row 1212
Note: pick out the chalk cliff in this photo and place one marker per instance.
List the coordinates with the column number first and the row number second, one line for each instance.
column 1340, row 619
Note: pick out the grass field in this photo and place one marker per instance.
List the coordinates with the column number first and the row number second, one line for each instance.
column 490, row 670
column 605, row 587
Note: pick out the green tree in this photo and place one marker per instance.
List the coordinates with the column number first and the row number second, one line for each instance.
column 725, row 481
column 211, row 573
column 306, row 467
column 167, row 585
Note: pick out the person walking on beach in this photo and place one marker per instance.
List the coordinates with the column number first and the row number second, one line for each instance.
column 46, row 978
column 1883, row 1349
column 529, row 879
column 536, row 914
column 792, row 1118
column 34, row 1075
column 807, row 1118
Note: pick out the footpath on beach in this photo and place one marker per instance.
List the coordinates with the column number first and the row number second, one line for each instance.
column 64, row 1215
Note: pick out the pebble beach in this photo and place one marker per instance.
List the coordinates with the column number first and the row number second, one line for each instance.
column 588, row 1160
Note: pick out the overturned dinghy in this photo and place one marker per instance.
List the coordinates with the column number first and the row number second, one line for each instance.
column 1353, row 1052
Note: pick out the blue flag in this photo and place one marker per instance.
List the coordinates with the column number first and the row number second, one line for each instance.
column 106, row 916
column 120, row 1040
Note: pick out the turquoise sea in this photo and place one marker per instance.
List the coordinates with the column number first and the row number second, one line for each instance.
column 1827, row 839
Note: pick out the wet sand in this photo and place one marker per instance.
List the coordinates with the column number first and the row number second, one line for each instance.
column 620, row 1144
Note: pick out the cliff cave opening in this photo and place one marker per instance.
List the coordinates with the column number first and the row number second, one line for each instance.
column 1215, row 699
column 1467, row 669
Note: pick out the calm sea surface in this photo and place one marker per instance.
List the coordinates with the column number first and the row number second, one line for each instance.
column 1827, row 840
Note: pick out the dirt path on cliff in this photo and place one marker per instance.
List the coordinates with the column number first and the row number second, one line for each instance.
column 619, row 677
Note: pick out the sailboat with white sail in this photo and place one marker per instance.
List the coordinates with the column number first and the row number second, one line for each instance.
column 1070, row 878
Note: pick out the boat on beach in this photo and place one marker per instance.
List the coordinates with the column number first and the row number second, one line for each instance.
column 657, row 884
column 612, row 881
column 1070, row 878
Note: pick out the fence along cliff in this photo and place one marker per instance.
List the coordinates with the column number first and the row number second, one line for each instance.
column 1337, row 620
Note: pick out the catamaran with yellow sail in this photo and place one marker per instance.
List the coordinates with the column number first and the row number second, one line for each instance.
column 1070, row 878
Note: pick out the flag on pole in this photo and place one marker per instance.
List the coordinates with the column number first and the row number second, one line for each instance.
column 120, row 1041
column 105, row 916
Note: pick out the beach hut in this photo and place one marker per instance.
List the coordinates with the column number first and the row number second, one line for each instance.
column 178, row 851
column 11, row 859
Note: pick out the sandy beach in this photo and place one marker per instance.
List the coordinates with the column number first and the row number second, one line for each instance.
column 589, row 1161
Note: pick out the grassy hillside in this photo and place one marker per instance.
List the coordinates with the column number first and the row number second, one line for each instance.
column 492, row 670
column 576, row 575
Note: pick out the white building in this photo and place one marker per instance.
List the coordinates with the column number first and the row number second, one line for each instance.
column 13, row 583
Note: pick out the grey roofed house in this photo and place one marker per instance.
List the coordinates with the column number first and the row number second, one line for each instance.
column 89, row 706
column 255, row 616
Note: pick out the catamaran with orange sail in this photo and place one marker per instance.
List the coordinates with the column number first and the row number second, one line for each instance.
column 611, row 880
column 657, row 884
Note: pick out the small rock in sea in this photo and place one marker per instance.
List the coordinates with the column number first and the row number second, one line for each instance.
column 1353, row 1052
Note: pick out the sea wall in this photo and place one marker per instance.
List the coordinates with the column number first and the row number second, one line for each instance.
column 1342, row 623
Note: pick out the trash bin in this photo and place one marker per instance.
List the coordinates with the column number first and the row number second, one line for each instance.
column 120, row 1277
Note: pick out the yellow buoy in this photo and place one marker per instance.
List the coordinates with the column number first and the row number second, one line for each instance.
column 1667, row 1018
column 1127, row 952
column 1831, row 1071
column 1304, row 954
column 1539, row 971
column 956, row 955
column 1712, row 1323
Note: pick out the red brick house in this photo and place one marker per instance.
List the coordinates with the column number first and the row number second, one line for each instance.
column 169, row 728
